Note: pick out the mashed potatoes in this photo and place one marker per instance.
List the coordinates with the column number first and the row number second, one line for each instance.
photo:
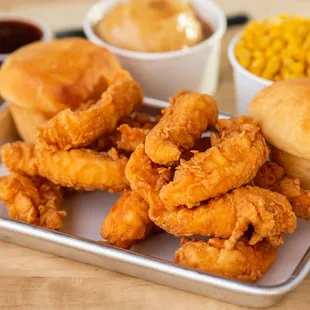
column 151, row 26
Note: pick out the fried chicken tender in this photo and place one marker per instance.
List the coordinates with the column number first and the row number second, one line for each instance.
column 141, row 121
column 269, row 174
column 227, row 126
column 80, row 169
column 130, row 137
column 181, row 124
column 230, row 164
column 244, row 262
column 200, row 145
column 127, row 221
column 125, row 138
column 272, row 176
column 73, row 129
column 227, row 216
column 106, row 142
column 33, row 200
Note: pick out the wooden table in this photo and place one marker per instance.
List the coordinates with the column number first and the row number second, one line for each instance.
column 33, row 280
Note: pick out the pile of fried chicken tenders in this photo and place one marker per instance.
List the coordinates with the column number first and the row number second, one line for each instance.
column 171, row 177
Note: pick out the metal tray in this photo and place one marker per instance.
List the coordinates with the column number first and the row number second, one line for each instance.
column 141, row 261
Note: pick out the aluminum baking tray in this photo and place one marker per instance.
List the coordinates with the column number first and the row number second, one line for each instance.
column 152, row 259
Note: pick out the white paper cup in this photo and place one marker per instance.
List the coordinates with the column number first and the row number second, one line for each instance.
column 247, row 85
column 163, row 74
column 47, row 33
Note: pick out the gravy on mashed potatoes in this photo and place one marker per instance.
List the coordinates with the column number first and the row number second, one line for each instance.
column 152, row 26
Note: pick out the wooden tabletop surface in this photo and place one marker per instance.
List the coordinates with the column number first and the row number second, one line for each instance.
column 33, row 280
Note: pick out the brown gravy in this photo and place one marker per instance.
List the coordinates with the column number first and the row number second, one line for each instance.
column 207, row 29
column 14, row 34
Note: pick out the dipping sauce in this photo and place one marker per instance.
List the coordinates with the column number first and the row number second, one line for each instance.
column 14, row 34
column 153, row 26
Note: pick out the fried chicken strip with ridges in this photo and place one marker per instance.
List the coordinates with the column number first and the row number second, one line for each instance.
column 231, row 164
column 181, row 124
column 80, row 169
column 127, row 222
column 130, row 137
column 73, row 129
column 272, row 176
column 125, row 138
column 244, row 263
column 33, row 200
column 227, row 216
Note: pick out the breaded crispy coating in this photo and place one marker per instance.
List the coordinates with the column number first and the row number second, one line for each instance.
column 73, row 129
column 244, row 263
column 230, row 164
column 130, row 137
column 127, row 221
column 227, row 216
column 141, row 121
column 272, row 176
column 227, row 126
column 268, row 175
column 181, row 124
column 105, row 142
column 33, row 200
column 80, row 169
column 200, row 145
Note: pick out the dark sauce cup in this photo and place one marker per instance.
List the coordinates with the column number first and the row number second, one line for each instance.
column 17, row 31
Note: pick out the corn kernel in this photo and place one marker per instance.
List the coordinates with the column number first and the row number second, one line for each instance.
column 306, row 44
column 297, row 67
column 276, row 48
column 278, row 44
column 258, row 54
column 273, row 65
column 267, row 75
column 257, row 65
column 296, row 52
column 278, row 77
column 270, row 53
column 287, row 61
column 264, row 42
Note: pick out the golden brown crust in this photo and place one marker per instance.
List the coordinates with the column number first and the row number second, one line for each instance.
column 131, row 137
column 80, row 169
column 244, row 262
column 127, row 222
column 230, row 164
column 51, row 76
column 283, row 112
column 69, row 129
column 182, row 123
column 33, row 200
column 272, row 176
column 227, row 216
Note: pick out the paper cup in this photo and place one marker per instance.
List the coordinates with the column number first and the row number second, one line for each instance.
column 247, row 85
column 163, row 74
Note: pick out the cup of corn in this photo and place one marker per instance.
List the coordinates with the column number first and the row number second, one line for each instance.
column 270, row 50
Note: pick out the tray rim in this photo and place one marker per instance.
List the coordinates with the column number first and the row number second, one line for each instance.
column 156, row 264
column 128, row 256
column 84, row 244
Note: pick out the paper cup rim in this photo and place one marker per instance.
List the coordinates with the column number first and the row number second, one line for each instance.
column 47, row 33
column 237, row 66
column 217, row 35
